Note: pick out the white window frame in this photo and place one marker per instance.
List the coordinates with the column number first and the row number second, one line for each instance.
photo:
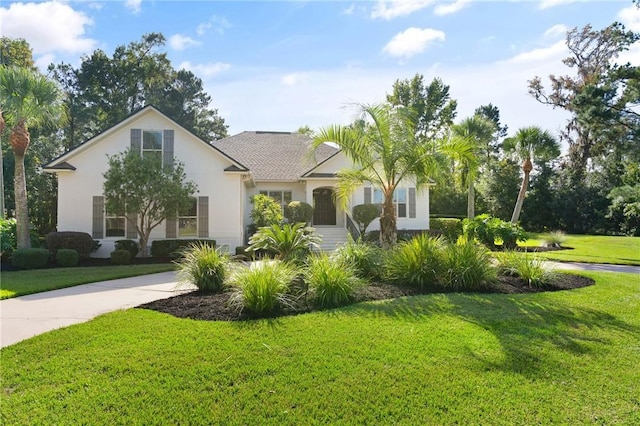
column 399, row 205
column 282, row 201
column 114, row 216
column 185, row 217
column 153, row 149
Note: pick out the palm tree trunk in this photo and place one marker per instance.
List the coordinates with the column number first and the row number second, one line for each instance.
column 523, row 191
column 388, row 228
column 22, row 214
column 471, row 199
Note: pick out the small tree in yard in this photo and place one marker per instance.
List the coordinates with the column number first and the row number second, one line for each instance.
column 146, row 191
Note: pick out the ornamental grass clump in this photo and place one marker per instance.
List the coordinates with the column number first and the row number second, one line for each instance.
column 554, row 239
column 415, row 263
column 331, row 282
column 535, row 271
column 262, row 287
column 205, row 267
column 466, row 266
column 365, row 257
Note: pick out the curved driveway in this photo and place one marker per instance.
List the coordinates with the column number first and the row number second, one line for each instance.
column 27, row 316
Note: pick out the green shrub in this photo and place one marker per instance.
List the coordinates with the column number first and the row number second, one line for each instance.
column 205, row 267
column 289, row 242
column 366, row 258
column 30, row 258
column 554, row 239
column 79, row 241
column 121, row 257
column 298, row 212
column 262, row 287
column 174, row 248
column 415, row 263
column 67, row 257
column 533, row 270
column 331, row 283
column 492, row 231
column 131, row 246
column 265, row 211
column 364, row 214
column 449, row 228
column 466, row 266
column 8, row 237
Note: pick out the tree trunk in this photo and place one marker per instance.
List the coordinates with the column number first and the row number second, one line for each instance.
column 526, row 168
column 144, row 237
column 22, row 213
column 471, row 199
column 388, row 229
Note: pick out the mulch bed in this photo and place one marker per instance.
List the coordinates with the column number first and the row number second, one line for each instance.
column 213, row 307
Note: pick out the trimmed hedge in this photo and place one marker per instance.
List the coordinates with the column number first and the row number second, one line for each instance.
column 121, row 257
column 67, row 257
column 78, row 241
column 298, row 212
column 30, row 258
column 173, row 248
column 130, row 245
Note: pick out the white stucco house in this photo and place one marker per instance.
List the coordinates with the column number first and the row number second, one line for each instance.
column 228, row 172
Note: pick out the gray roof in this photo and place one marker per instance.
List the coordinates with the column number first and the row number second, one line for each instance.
column 279, row 156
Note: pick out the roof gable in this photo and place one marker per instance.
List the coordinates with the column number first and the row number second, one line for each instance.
column 55, row 165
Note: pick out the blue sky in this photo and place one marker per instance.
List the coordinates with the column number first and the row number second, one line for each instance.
column 280, row 65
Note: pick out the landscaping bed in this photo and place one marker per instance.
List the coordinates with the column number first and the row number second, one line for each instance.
column 214, row 307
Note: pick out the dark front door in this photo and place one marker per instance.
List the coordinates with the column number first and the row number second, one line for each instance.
column 324, row 208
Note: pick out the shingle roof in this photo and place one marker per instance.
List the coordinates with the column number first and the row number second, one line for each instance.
column 274, row 155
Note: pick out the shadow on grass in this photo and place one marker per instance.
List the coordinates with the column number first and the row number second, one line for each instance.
column 524, row 327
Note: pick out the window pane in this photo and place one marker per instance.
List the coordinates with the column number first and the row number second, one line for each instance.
column 264, row 193
column 276, row 195
column 191, row 209
column 400, row 195
column 152, row 140
column 187, row 227
column 287, row 197
column 114, row 227
column 377, row 196
column 402, row 210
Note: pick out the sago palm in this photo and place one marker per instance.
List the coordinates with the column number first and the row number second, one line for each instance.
column 477, row 132
column 384, row 151
column 530, row 144
column 27, row 99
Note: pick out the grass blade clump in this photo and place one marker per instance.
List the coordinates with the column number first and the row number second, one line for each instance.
column 331, row 282
column 466, row 266
column 554, row 239
column 204, row 266
column 366, row 258
column 415, row 263
column 535, row 271
column 289, row 242
column 262, row 287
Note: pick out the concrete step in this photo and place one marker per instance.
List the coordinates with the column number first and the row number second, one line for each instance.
column 332, row 237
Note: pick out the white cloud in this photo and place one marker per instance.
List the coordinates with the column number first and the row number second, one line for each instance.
column 556, row 31
column 546, row 4
column 558, row 50
column 293, row 79
column 134, row 6
column 630, row 17
column 48, row 27
column 412, row 41
column 449, row 8
column 349, row 10
column 389, row 9
column 205, row 70
column 218, row 23
column 181, row 42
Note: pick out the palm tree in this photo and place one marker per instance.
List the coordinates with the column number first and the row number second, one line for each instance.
column 383, row 148
column 478, row 132
column 27, row 99
column 530, row 144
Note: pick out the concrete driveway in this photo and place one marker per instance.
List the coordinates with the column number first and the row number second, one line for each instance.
column 27, row 316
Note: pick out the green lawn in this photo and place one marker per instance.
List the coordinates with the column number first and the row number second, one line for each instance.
column 594, row 249
column 567, row 357
column 18, row 283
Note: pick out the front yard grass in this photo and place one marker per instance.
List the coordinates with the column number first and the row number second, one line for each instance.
column 593, row 249
column 568, row 357
column 19, row 283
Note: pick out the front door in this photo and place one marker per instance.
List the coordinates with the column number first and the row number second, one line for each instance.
column 324, row 207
